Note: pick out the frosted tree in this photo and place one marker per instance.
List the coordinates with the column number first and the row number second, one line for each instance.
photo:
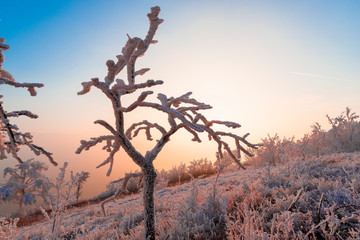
column 82, row 178
column 24, row 184
column 182, row 112
column 10, row 137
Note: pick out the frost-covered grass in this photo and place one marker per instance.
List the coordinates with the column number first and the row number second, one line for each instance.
column 314, row 199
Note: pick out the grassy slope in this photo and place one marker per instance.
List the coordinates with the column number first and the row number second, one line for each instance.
column 318, row 198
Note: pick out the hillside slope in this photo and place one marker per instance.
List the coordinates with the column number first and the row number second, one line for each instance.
column 318, row 198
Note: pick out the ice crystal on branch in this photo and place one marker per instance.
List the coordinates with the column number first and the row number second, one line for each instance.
column 10, row 137
column 183, row 112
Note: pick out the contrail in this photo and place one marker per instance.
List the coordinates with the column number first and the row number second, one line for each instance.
column 324, row 77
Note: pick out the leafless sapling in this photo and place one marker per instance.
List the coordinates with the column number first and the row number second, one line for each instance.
column 183, row 112
column 58, row 200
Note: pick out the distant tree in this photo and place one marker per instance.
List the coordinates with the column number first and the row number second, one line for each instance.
column 183, row 112
column 10, row 137
column 24, row 184
column 82, row 178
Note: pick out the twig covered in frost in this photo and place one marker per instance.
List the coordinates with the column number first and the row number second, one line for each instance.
column 182, row 112
column 297, row 197
column 10, row 137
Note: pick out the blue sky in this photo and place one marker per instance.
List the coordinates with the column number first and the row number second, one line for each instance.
column 272, row 66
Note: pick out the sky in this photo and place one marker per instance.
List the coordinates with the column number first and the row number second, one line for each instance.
column 275, row 67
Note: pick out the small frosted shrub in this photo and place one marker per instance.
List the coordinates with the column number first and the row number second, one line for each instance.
column 131, row 222
column 201, row 167
column 183, row 173
column 133, row 186
column 275, row 151
column 176, row 175
column 206, row 220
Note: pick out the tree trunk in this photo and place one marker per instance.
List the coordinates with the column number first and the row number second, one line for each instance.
column 22, row 211
column 149, row 210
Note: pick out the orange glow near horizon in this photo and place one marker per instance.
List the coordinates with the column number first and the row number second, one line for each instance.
column 273, row 68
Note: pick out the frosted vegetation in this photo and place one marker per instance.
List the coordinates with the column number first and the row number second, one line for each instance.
column 314, row 199
column 292, row 189
column 311, row 195
column 343, row 136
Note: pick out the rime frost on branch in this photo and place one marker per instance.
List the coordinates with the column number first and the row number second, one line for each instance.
column 182, row 112
column 10, row 137
column 30, row 86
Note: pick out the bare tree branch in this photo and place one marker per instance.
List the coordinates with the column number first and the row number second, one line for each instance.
column 30, row 86
column 228, row 124
column 86, row 88
column 135, row 104
column 22, row 113
column 141, row 71
column 5, row 121
column 86, row 145
column 110, row 159
column 46, row 153
column 106, row 125
column 172, row 113
column 5, row 74
column 148, row 83
column 148, row 126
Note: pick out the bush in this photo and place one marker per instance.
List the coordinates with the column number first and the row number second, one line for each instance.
column 184, row 173
column 274, row 151
column 206, row 220
column 201, row 167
